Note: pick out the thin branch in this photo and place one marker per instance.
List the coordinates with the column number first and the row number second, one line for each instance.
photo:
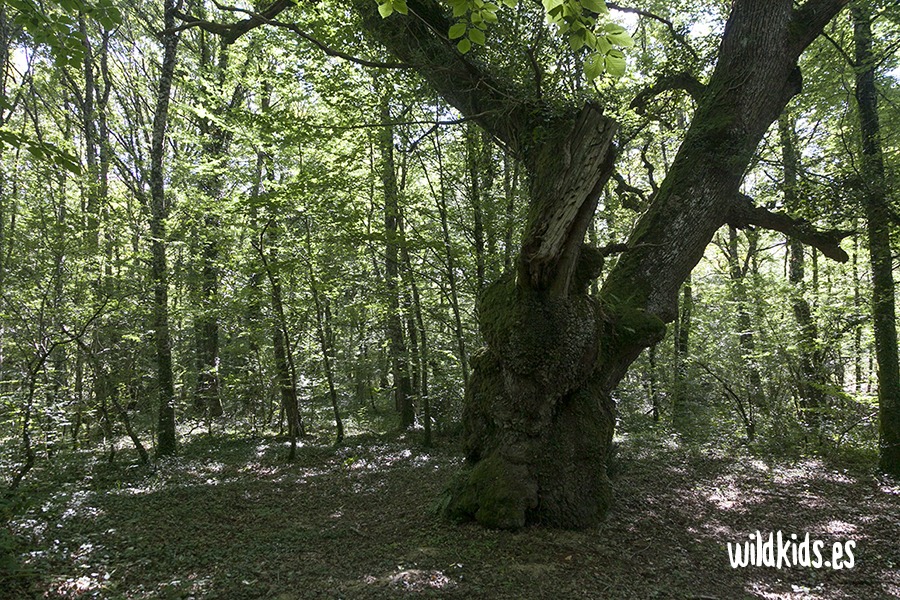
column 627, row 191
column 847, row 58
column 676, row 35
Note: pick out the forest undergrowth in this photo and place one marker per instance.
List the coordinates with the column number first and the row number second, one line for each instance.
column 232, row 519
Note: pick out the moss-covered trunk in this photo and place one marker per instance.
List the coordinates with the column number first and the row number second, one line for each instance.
column 538, row 414
column 538, row 423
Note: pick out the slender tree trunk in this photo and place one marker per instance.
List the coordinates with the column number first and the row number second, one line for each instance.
column 422, row 352
column 878, row 221
column 393, row 240
column 510, row 185
column 738, row 270
column 474, row 163
column 216, row 141
column 281, row 342
column 811, row 387
column 326, row 343
column 682, row 409
column 165, row 443
column 325, row 334
column 652, row 391
column 857, row 331
column 441, row 200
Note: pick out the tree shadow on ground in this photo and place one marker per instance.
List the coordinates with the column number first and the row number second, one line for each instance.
column 233, row 520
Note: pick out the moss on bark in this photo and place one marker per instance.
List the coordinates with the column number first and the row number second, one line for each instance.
column 538, row 425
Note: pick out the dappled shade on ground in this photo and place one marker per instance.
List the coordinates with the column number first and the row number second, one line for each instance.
column 233, row 520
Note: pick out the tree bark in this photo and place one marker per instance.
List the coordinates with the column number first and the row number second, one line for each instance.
column 165, row 443
column 878, row 220
column 810, row 388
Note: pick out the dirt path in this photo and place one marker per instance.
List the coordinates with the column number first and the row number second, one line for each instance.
column 235, row 522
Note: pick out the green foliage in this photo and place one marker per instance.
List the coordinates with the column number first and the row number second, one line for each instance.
column 581, row 22
column 388, row 8
column 56, row 24
column 475, row 17
column 41, row 150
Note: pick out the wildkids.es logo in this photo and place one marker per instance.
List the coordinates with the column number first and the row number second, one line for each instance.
column 781, row 551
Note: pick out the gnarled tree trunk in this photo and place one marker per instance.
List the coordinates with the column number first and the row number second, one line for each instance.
column 538, row 415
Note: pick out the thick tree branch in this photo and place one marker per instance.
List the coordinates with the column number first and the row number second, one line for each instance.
column 810, row 19
column 420, row 39
column 255, row 20
column 231, row 32
column 743, row 213
column 679, row 81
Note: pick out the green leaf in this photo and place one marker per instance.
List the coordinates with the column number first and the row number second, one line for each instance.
column 550, row 5
column 510, row 3
column 460, row 7
column 576, row 41
column 464, row 45
column 602, row 46
column 457, row 31
column 477, row 36
column 622, row 39
column 615, row 63
column 593, row 66
column 400, row 6
column 386, row 9
column 597, row 6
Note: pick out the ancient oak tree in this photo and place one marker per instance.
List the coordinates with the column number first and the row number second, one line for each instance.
column 539, row 416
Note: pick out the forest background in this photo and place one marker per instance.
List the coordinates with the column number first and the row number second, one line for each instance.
column 224, row 223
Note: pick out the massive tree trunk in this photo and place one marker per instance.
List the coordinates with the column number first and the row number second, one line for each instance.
column 879, row 218
column 538, row 415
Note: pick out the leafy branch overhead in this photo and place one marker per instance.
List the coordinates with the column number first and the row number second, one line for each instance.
column 56, row 24
column 584, row 23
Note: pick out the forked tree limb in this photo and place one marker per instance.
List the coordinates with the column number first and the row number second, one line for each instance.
column 743, row 214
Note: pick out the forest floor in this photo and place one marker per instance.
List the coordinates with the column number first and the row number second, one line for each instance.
column 231, row 519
